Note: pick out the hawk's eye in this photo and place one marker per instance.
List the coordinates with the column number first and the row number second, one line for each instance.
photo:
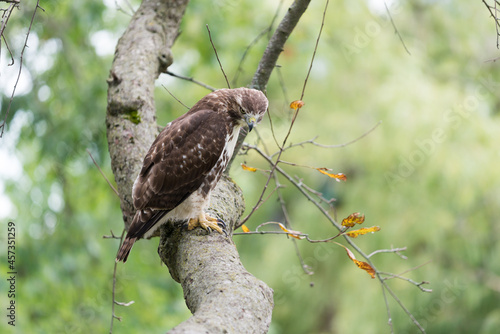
column 242, row 111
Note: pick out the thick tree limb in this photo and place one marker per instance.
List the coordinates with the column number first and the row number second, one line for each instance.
column 222, row 295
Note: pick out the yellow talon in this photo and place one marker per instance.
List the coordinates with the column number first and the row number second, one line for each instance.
column 207, row 223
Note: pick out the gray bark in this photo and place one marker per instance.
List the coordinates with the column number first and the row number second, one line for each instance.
column 142, row 53
column 222, row 295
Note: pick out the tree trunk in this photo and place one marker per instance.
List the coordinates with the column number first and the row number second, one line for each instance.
column 221, row 294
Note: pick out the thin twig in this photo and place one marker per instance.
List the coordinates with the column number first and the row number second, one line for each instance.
column 387, row 308
column 244, row 220
column 417, row 284
column 400, row 303
column 288, row 223
column 267, row 30
column 348, row 240
column 312, row 141
column 276, row 44
column 318, row 194
column 102, row 173
column 315, row 50
column 113, row 291
column 112, row 236
column 2, row 125
column 415, row 268
column 175, row 97
column 395, row 28
column 495, row 17
column 283, row 86
column 274, row 48
column 204, row 85
column 217, row 56
column 119, row 8
column 392, row 250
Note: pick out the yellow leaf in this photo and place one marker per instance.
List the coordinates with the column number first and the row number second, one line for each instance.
column 354, row 218
column 250, row 169
column 245, row 229
column 296, row 104
column 291, row 233
column 338, row 177
column 361, row 231
column 362, row 265
column 365, row 266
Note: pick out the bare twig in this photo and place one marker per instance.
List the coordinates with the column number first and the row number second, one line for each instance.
column 277, row 42
column 2, row 125
column 416, row 267
column 190, row 79
column 255, row 40
column 315, row 50
column 185, row 106
column 392, row 250
column 417, row 284
column 313, row 142
column 273, row 50
column 217, row 56
column 118, row 7
column 318, row 194
column 103, row 175
column 396, row 31
column 341, row 230
column 387, row 308
column 283, row 86
column 113, row 291
column 112, row 236
column 400, row 303
column 493, row 11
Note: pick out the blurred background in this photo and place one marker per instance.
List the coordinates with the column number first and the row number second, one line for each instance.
column 427, row 175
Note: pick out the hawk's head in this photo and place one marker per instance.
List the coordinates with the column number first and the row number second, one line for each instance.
column 243, row 105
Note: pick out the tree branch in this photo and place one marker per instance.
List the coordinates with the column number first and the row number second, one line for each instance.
column 220, row 293
column 142, row 53
column 271, row 54
column 276, row 44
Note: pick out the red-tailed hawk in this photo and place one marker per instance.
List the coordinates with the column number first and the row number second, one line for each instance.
column 186, row 161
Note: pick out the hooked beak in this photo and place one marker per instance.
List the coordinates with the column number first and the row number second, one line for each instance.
column 251, row 121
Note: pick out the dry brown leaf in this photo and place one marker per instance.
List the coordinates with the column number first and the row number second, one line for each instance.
column 362, row 265
column 353, row 219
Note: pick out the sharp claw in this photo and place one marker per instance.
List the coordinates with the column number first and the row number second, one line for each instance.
column 222, row 225
column 208, row 223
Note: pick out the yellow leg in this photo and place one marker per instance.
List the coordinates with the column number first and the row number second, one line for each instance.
column 207, row 223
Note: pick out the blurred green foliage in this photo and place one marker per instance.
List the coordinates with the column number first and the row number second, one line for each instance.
column 428, row 175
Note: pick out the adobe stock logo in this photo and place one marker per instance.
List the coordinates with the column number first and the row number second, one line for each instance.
column 366, row 35
column 452, row 118
column 431, row 312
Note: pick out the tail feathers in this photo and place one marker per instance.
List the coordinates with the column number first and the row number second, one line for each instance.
column 144, row 220
column 125, row 249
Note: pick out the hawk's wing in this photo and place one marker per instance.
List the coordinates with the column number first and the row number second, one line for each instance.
column 179, row 160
